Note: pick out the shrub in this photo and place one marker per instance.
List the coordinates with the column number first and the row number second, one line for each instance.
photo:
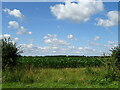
column 111, row 65
column 10, row 52
column 116, row 55
column 115, row 52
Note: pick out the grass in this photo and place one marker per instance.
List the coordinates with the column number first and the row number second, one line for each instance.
column 56, row 85
column 90, row 77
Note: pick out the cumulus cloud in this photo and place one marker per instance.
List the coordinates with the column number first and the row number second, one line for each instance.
column 50, row 36
column 38, row 50
column 15, row 12
column 71, row 37
column 96, row 38
column 112, row 42
column 55, row 46
column 16, row 25
column 77, row 12
column 16, row 39
column 103, row 48
column 53, row 40
column 108, row 45
column 112, row 19
column 30, row 49
column 94, row 44
column 29, row 32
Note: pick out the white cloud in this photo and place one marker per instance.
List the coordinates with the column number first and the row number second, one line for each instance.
column 96, row 38
column 71, row 37
column 111, row 21
column 30, row 49
column 50, row 36
column 53, row 40
column 103, row 48
column 112, row 42
column 94, row 44
column 77, row 12
column 108, row 45
column 15, row 25
column 29, row 32
column 56, row 46
column 15, row 12
column 16, row 39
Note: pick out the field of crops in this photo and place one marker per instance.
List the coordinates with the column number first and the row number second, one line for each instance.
column 61, row 61
column 61, row 72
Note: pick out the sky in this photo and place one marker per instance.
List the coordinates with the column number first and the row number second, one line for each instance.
column 61, row 28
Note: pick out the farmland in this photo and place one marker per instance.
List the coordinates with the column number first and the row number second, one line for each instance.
column 60, row 72
column 62, row 61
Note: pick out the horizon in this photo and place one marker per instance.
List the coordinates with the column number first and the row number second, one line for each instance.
column 66, row 56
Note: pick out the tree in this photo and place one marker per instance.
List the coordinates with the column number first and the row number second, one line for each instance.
column 10, row 52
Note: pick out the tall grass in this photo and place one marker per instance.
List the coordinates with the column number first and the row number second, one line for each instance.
column 69, row 76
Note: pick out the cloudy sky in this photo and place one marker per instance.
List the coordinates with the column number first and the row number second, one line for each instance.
column 58, row 28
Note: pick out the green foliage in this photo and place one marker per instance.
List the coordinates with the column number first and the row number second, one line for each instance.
column 112, row 72
column 61, row 62
column 68, row 77
column 10, row 52
column 116, row 55
column 115, row 52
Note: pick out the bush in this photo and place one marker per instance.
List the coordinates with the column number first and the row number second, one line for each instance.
column 112, row 72
column 116, row 55
column 10, row 52
column 115, row 52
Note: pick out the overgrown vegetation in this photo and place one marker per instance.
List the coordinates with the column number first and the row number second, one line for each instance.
column 56, row 78
column 116, row 55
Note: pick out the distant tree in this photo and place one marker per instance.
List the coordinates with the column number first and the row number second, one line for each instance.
column 10, row 52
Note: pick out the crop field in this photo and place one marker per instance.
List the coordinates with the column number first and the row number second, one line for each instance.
column 60, row 72
column 62, row 61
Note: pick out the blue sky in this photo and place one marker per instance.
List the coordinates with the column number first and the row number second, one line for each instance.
column 50, row 33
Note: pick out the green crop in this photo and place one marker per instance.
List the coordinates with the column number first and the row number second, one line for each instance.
column 61, row 61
